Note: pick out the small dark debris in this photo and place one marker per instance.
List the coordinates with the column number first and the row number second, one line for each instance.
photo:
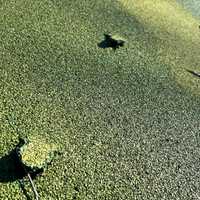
column 111, row 42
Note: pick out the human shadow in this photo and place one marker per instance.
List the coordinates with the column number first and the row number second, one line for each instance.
column 11, row 168
column 110, row 42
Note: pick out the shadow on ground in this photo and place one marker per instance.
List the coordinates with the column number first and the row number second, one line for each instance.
column 10, row 168
column 110, row 42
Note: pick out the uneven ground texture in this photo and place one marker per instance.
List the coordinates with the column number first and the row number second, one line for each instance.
column 126, row 121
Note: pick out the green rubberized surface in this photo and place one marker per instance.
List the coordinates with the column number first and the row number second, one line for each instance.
column 127, row 121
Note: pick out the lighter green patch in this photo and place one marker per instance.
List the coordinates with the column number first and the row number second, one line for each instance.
column 36, row 153
column 179, row 32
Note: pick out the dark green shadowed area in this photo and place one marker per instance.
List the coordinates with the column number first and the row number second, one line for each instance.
column 126, row 127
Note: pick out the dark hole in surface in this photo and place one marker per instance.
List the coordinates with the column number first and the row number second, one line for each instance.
column 110, row 42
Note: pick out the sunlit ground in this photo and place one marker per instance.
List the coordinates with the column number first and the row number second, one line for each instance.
column 126, row 120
